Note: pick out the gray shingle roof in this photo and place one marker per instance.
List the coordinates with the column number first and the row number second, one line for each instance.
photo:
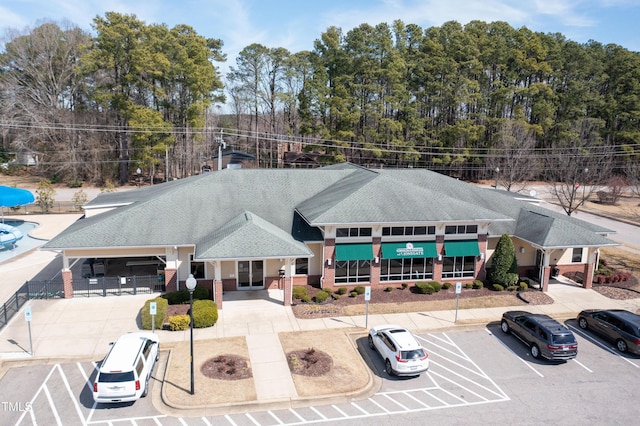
column 210, row 211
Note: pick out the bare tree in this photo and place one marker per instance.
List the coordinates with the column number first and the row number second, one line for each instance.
column 512, row 159
column 578, row 166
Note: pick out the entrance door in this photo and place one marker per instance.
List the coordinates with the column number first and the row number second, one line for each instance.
column 250, row 274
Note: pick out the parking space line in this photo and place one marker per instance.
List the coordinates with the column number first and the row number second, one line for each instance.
column 250, row 417
column 335, row 407
column 276, row 418
column 386, row 395
column 442, row 347
column 42, row 386
column 417, row 400
column 52, row 405
column 71, row 395
column 380, row 406
column 180, row 419
column 436, row 398
column 465, row 378
column 295, row 413
column 318, row 413
column 362, row 410
column 476, row 371
column 515, row 354
column 582, row 365
column 230, row 420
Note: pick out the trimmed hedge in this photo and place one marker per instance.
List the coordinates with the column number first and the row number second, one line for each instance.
column 161, row 313
column 182, row 296
column 341, row 290
column 205, row 313
column 436, row 286
column 423, row 288
column 477, row 284
column 321, row 296
column 359, row 289
column 179, row 322
column 299, row 292
column 498, row 287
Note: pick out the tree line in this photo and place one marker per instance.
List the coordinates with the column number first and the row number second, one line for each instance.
column 483, row 100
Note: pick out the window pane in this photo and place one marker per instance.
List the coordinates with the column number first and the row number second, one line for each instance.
column 420, row 230
column 431, row 230
column 302, row 266
column 450, row 229
column 365, row 232
column 353, row 232
column 386, row 231
column 397, row 230
column 472, row 229
column 576, row 257
column 342, row 232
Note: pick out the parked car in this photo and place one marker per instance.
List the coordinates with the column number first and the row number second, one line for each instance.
column 400, row 350
column 124, row 373
column 545, row 336
column 616, row 325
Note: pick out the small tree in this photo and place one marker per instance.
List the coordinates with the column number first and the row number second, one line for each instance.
column 504, row 261
column 79, row 199
column 44, row 195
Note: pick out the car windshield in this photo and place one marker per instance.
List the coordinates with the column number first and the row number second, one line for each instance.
column 414, row 354
column 116, row 377
column 563, row 339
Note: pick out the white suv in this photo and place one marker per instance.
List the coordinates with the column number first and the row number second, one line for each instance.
column 401, row 352
column 124, row 373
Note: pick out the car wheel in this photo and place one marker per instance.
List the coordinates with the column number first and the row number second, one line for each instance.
column 582, row 322
column 146, row 388
column 504, row 326
column 621, row 345
column 387, row 366
column 370, row 339
column 535, row 351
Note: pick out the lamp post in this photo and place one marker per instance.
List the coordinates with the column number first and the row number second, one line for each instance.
column 191, row 285
column 497, row 171
column 138, row 172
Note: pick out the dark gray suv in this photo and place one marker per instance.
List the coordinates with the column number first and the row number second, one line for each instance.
column 545, row 336
column 617, row 325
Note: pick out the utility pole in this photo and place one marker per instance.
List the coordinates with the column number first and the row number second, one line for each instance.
column 221, row 146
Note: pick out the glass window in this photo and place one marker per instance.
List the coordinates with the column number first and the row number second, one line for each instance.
column 352, row 271
column 406, row 269
column 457, row 267
column 365, row 232
column 342, row 232
column 197, row 269
column 302, row 266
column 576, row 256
column 450, row 229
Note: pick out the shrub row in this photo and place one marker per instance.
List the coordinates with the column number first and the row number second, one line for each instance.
column 613, row 277
column 182, row 296
column 205, row 314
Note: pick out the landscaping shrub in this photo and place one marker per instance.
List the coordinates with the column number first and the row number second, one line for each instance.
column 359, row 289
column 504, row 262
column 468, row 285
column 435, row 285
column 512, row 288
column 497, row 287
column 205, row 313
column 299, row 292
column 388, row 289
column 161, row 313
column 404, row 285
column 182, row 296
column 321, row 296
column 335, row 296
column 446, row 286
column 423, row 288
column 306, row 298
column 179, row 322
column 353, row 294
column 477, row 284
column 523, row 286
column 342, row 290
column 512, row 280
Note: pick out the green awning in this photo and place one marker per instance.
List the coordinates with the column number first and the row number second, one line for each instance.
column 354, row 252
column 409, row 250
column 461, row 248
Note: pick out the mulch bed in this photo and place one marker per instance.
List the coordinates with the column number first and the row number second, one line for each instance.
column 309, row 362
column 226, row 367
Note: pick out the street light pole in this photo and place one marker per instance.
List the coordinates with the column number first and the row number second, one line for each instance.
column 497, row 171
column 191, row 285
column 138, row 172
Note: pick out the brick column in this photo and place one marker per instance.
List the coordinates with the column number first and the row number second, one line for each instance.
column 437, row 264
column 375, row 267
column 171, row 279
column 546, row 274
column 67, row 280
column 288, row 290
column 329, row 270
column 589, row 270
column 481, row 271
column 217, row 293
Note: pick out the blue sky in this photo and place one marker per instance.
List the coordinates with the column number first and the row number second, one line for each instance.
column 296, row 24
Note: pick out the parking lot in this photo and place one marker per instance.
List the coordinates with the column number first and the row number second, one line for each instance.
column 481, row 375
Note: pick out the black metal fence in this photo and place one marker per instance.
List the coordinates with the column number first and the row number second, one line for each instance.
column 117, row 286
column 100, row 286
